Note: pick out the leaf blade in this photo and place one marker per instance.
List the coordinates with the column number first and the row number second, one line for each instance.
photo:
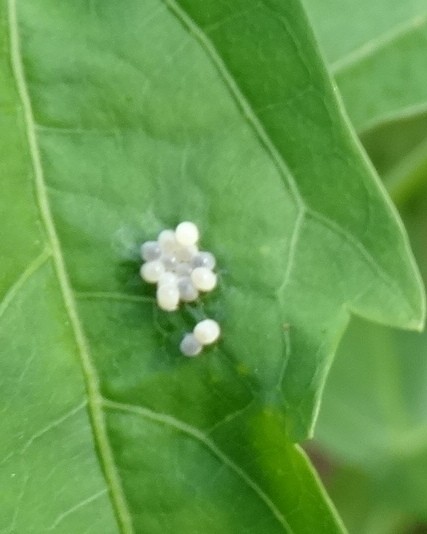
column 96, row 127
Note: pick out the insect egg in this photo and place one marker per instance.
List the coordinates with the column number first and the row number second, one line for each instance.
column 167, row 241
column 187, row 291
column 186, row 253
column 168, row 278
column 203, row 279
column 207, row 331
column 190, row 346
column 168, row 297
column 150, row 251
column 187, row 233
column 152, row 270
column 204, row 259
column 169, row 261
column 183, row 269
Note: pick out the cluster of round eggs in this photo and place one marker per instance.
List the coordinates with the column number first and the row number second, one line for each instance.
column 181, row 273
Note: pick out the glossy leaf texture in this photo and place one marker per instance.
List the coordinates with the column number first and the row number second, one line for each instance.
column 377, row 389
column 376, row 51
column 116, row 124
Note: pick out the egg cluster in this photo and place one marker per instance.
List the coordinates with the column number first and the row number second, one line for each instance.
column 181, row 272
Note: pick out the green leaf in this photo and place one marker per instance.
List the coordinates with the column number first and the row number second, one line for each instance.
column 377, row 389
column 116, row 124
column 376, row 51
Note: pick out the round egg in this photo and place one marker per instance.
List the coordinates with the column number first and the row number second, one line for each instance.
column 203, row 279
column 203, row 259
column 183, row 269
column 168, row 278
column 150, row 251
column 187, row 291
column 168, row 297
column 167, row 241
column 152, row 271
column 207, row 331
column 190, row 346
column 187, row 234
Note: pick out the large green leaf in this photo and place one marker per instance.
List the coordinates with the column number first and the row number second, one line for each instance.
column 376, row 52
column 117, row 123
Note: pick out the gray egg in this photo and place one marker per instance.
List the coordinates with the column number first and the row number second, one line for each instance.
column 190, row 346
column 150, row 251
column 170, row 261
column 187, row 291
column 183, row 269
column 204, row 259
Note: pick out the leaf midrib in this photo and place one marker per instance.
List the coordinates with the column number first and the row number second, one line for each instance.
column 89, row 371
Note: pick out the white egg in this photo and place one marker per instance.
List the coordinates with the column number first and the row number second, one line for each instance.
column 203, row 259
column 187, row 291
column 168, row 297
column 167, row 241
column 190, row 346
column 168, row 278
column 150, row 251
column 152, row 271
column 203, row 279
column 186, row 253
column 187, row 233
column 207, row 331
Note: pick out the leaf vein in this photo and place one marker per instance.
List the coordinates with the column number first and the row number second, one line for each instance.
column 77, row 507
column 198, row 435
column 52, row 425
column 14, row 289
column 356, row 244
column 238, row 96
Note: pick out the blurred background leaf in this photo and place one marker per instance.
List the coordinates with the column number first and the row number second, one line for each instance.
column 376, row 51
column 373, row 422
column 372, row 428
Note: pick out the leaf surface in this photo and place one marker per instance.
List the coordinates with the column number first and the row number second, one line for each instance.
column 121, row 122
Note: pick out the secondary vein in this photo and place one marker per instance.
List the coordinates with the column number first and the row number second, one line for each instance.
column 14, row 289
column 198, row 435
